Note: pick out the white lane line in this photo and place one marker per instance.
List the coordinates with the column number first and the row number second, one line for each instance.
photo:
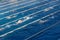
column 7, row 2
column 18, row 8
column 22, row 11
column 24, row 16
column 27, row 10
column 42, row 31
column 12, row 3
column 15, row 5
column 25, row 25
column 14, row 9
column 3, row 8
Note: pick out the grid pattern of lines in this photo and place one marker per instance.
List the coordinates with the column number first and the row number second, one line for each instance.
column 28, row 17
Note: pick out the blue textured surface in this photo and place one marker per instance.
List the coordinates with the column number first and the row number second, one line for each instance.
column 30, row 20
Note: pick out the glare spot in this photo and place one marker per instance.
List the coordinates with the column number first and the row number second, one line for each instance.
column 1, row 29
column 8, row 17
column 19, row 21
